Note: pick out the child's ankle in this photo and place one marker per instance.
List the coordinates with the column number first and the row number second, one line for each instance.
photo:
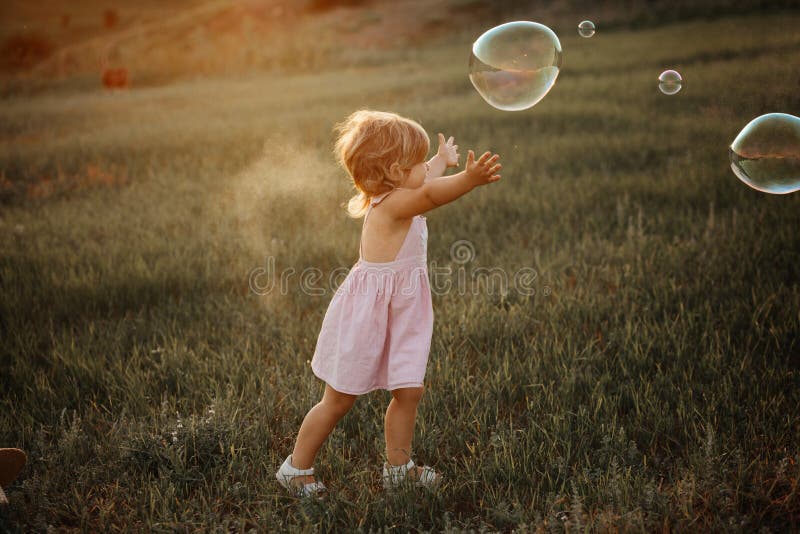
column 398, row 458
column 291, row 463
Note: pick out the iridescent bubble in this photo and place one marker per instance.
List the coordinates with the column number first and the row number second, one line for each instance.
column 514, row 65
column 766, row 153
column 586, row 28
column 670, row 82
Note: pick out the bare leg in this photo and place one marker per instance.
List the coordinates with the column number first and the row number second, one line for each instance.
column 317, row 425
column 401, row 414
column 400, row 418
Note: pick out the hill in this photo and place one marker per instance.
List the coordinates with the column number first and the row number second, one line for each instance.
column 157, row 42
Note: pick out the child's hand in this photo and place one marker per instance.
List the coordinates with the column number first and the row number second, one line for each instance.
column 448, row 151
column 483, row 171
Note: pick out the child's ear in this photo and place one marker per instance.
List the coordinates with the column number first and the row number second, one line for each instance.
column 396, row 171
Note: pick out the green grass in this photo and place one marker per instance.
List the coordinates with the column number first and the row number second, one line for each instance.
column 650, row 383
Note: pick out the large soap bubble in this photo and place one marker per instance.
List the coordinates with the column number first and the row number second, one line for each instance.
column 514, row 65
column 766, row 153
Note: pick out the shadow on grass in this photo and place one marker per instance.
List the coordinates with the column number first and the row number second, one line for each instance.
column 61, row 342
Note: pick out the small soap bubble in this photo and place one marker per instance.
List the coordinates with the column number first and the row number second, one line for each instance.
column 766, row 153
column 514, row 65
column 586, row 28
column 670, row 82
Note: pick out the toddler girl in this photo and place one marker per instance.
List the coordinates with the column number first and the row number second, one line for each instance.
column 376, row 333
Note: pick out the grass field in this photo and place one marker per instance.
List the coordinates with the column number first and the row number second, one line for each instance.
column 650, row 383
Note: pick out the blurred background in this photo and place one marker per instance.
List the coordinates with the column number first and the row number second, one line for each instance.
column 55, row 43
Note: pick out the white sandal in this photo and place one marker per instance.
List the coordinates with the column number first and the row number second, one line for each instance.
column 287, row 472
column 395, row 475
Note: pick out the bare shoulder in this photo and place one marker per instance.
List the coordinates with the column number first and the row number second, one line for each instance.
column 404, row 203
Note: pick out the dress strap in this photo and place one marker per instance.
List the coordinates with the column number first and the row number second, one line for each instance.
column 378, row 198
column 375, row 200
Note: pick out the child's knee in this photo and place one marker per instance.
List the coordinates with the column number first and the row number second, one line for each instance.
column 338, row 403
column 408, row 395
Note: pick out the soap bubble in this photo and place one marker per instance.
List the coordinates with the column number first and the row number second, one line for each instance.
column 514, row 65
column 766, row 153
column 670, row 82
column 586, row 28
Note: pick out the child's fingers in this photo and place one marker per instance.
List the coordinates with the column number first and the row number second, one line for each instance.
column 470, row 158
column 449, row 141
column 441, row 138
column 488, row 163
column 496, row 168
column 484, row 157
column 492, row 160
column 494, row 178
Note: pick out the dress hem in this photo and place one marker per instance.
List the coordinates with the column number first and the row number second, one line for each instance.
column 371, row 388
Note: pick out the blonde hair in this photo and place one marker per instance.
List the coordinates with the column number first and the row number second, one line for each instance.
column 369, row 143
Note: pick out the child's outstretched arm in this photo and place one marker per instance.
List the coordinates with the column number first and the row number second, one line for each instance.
column 406, row 203
column 447, row 156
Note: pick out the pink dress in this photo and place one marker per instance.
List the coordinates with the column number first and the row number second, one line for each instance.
column 377, row 331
